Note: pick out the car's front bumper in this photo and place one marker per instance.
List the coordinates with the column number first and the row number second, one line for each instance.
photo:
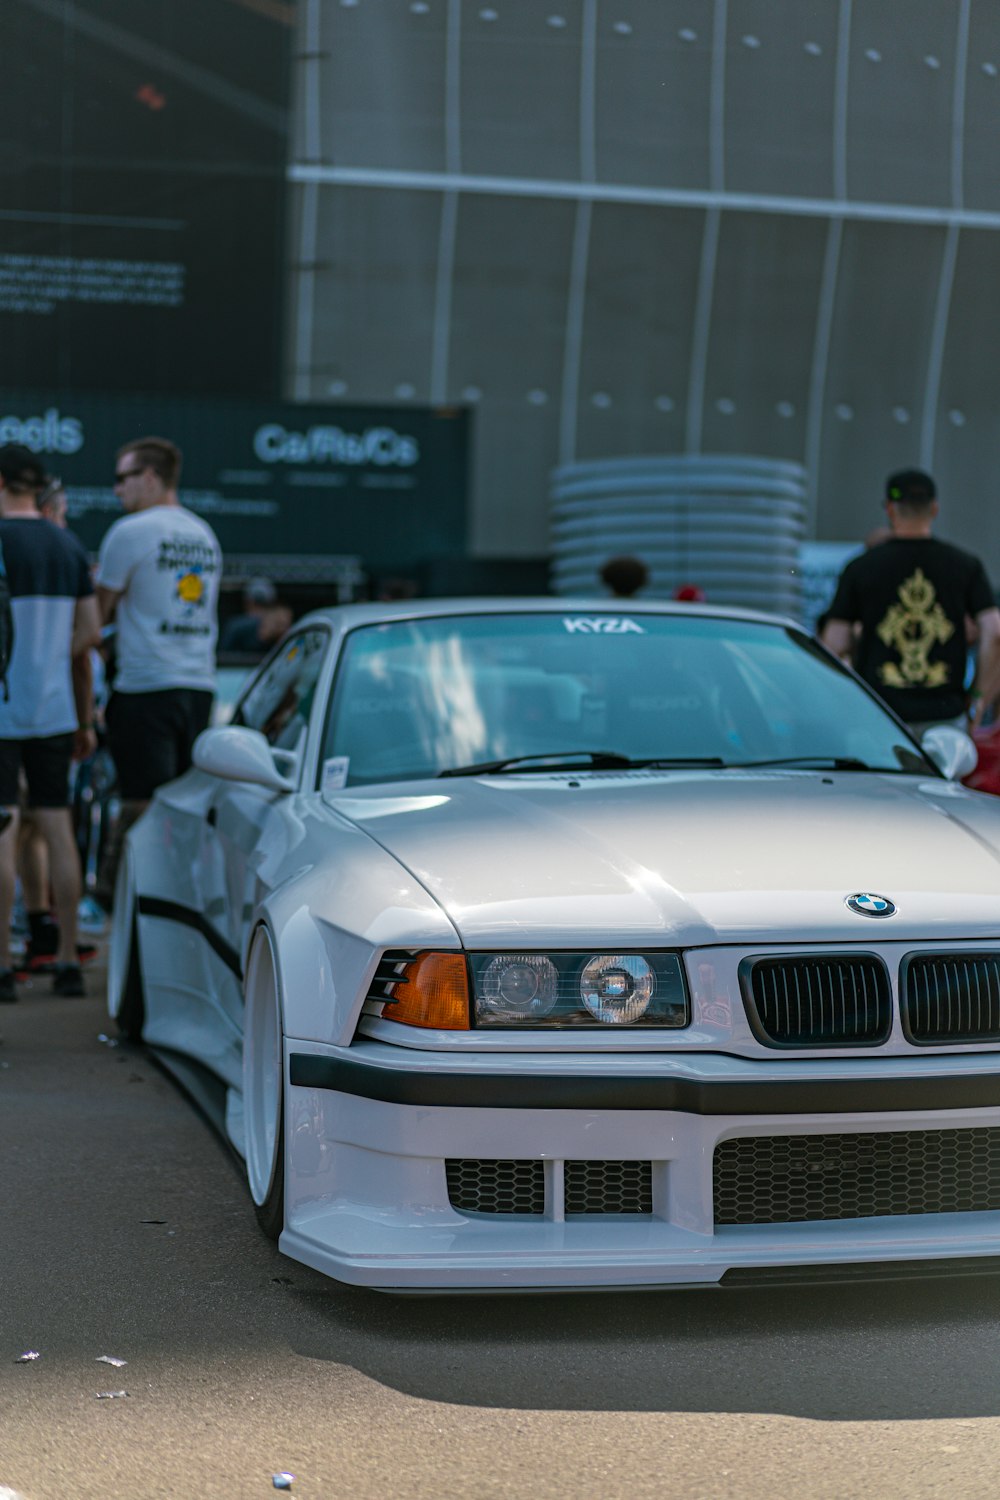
column 370, row 1128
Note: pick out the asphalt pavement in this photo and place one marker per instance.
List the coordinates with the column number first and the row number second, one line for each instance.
column 126, row 1231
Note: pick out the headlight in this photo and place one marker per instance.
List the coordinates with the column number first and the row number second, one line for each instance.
column 578, row 989
column 617, row 989
column 517, row 987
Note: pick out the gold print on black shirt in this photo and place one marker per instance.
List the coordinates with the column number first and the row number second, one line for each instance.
column 913, row 627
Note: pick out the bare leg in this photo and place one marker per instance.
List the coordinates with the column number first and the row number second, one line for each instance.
column 64, row 867
column 33, row 865
column 8, row 863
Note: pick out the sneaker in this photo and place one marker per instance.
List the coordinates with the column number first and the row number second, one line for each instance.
column 8, row 988
column 32, row 962
column 91, row 917
column 68, row 981
column 36, row 961
column 42, row 946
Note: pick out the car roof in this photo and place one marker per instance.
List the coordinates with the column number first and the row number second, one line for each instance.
column 349, row 616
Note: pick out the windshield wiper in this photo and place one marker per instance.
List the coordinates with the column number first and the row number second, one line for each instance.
column 817, row 762
column 592, row 760
column 668, row 762
column 589, row 760
column 611, row 760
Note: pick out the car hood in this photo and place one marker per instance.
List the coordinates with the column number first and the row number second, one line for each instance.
column 692, row 858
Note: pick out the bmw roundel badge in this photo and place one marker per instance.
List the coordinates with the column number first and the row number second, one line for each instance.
column 867, row 904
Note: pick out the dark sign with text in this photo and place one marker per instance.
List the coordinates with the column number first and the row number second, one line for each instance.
column 272, row 479
column 142, row 192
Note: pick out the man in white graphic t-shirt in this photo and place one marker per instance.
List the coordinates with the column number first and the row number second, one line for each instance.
column 158, row 575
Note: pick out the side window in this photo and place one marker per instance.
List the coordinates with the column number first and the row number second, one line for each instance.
column 280, row 701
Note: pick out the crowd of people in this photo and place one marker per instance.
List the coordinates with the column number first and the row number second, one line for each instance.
column 157, row 580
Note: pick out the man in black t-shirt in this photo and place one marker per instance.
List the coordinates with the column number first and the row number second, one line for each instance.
column 910, row 598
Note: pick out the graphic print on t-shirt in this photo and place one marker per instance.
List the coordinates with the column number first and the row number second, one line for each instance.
column 913, row 627
column 190, row 562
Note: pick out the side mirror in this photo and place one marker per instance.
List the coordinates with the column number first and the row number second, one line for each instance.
column 239, row 754
column 952, row 752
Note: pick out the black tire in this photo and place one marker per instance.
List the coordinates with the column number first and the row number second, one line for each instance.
column 271, row 1213
column 132, row 1008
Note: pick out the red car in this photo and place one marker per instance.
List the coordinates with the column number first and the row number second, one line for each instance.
column 986, row 776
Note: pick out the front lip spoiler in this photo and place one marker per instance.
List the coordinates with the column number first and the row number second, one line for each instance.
column 796, row 1096
column 742, row 1278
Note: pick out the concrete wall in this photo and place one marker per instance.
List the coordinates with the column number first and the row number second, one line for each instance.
column 626, row 227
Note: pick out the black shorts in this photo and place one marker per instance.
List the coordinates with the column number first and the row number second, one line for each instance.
column 46, row 764
column 150, row 736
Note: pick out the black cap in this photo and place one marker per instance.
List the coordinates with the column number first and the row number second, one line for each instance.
column 20, row 468
column 911, row 486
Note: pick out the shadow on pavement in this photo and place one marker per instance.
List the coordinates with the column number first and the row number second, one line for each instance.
column 909, row 1350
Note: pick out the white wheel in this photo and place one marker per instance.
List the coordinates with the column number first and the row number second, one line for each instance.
column 263, row 1093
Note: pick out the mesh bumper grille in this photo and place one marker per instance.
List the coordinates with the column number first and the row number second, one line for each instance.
column 951, row 997
column 518, row 1187
column 788, row 1179
column 496, row 1187
column 818, row 1000
column 609, row 1187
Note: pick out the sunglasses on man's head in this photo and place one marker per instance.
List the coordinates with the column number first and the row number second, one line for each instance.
column 127, row 474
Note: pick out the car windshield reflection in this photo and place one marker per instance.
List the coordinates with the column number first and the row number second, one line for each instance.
column 456, row 694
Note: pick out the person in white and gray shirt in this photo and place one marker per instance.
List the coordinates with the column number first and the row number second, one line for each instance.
column 158, row 576
column 46, row 721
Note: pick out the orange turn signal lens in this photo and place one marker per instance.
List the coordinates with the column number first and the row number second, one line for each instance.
column 435, row 994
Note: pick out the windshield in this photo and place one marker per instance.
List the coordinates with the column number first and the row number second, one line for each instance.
column 419, row 697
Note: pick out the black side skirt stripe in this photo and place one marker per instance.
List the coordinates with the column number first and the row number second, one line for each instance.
column 534, row 1091
column 173, row 911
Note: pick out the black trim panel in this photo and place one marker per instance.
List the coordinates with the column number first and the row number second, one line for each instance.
column 690, row 1095
column 861, row 1271
column 173, row 911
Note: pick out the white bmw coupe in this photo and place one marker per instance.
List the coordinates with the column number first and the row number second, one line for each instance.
column 539, row 943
